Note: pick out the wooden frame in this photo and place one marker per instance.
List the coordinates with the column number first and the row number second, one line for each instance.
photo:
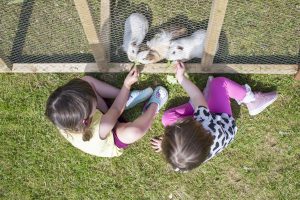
column 105, row 26
column 100, row 45
column 154, row 68
column 95, row 42
column 297, row 76
column 3, row 67
column 215, row 23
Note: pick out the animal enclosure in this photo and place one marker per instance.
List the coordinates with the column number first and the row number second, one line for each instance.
column 85, row 35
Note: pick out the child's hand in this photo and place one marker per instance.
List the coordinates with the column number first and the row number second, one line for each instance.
column 180, row 69
column 131, row 77
column 156, row 144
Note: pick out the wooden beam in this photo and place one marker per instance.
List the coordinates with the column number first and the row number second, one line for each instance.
column 105, row 26
column 95, row 42
column 155, row 68
column 297, row 76
column 3, row 67
column 215, row 23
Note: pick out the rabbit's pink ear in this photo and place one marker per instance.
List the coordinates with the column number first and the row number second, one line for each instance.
column 180, row 47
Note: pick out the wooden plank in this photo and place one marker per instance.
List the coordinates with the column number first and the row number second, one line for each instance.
column 215, row 23
column 105, row 27
column 155, row 68
column 297, row 76
column 3, row 67
column 96, row 44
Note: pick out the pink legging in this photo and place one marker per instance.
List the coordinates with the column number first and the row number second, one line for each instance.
column 220, row 91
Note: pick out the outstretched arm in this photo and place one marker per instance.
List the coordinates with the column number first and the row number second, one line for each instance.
column 102, row 90
column 196, row 96
column 110, row 118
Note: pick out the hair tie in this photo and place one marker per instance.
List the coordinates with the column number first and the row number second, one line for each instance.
column 85, row 122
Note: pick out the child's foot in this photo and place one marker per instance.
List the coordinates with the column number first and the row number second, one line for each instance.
column 159, row 96
column 262, row 101
column 138, row 96
column 205, row 91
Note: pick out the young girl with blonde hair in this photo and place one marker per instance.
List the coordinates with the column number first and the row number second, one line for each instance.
column 80, row 113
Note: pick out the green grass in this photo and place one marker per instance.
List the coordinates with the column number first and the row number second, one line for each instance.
column 37, row 163
column 262, row 162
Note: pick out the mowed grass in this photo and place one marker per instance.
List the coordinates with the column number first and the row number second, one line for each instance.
column 37, row 163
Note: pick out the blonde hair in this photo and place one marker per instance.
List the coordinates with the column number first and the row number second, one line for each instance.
column 70, row 105
column 186, row 144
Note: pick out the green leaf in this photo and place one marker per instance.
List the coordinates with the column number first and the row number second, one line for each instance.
column 171, row 79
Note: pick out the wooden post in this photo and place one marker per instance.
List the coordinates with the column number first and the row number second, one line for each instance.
column 105, row 26
column 3, row 67
column 215, row 23
column 95, row 42
column 297, row 76
column 155, row 68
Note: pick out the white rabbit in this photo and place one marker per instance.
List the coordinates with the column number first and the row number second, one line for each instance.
column 136, row 28
column 188, row 47
column 158, row 46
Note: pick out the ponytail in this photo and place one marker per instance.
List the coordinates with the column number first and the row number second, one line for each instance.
column 87, row 134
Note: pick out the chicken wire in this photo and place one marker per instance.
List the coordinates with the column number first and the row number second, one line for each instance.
column 40, row 31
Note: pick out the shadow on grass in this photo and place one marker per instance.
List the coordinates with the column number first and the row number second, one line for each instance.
column 16, row 54
column 118, row 17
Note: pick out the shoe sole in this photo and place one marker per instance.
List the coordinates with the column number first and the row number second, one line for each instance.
column 259, row 110
column 146, row 94
column 161, row 104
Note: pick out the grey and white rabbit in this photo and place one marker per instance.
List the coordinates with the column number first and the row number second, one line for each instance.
column 136, row 28
column 158, row 46
column 187, row 48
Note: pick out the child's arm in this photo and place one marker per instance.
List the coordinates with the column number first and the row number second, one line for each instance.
column 102, row 90
column 109, row 119
column 196, row 96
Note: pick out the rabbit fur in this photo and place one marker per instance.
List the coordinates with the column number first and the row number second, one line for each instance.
column 136, row 28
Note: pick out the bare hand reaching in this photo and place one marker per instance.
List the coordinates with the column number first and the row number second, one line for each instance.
column 180, row 70
column 156, row 144
column 132, row 77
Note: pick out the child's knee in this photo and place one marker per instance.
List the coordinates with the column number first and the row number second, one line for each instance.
column 219, row 81
column 166, row 118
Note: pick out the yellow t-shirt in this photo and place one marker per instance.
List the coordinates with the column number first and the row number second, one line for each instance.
column 95, row 146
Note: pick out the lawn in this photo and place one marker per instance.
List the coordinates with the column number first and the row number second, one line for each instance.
column 37, row 163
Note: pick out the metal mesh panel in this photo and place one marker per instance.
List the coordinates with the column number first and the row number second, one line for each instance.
column 40, row 31
column 260, row 32
column 192, row 14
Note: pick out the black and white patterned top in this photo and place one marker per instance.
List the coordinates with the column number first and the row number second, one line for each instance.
column 221, row 126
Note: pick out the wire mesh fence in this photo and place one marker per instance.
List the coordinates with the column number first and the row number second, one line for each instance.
column 254, row 32
column 37, row 31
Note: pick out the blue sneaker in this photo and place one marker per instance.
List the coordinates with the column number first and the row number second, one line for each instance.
column 138, row 96
column 159, row 96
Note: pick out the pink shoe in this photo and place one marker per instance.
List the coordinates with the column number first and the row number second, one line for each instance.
column 262, row 101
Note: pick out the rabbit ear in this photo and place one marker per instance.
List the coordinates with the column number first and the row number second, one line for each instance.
column 180, row 47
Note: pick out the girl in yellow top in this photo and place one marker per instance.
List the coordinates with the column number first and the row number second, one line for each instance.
column 80, row 113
